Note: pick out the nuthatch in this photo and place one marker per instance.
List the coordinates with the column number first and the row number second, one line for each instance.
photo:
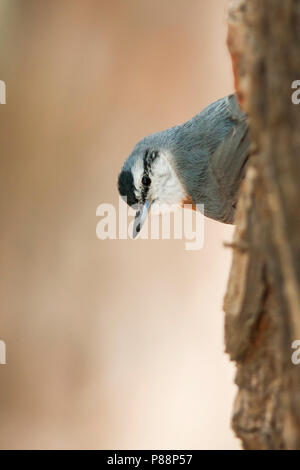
column 199, row 162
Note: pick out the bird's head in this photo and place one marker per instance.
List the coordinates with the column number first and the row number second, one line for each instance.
column 149, row 176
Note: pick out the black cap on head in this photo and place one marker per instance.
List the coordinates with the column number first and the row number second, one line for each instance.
column 126, row 187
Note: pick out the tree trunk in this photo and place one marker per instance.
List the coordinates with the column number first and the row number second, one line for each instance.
column 262, row 303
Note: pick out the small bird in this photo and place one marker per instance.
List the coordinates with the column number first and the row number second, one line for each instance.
column 199, row 162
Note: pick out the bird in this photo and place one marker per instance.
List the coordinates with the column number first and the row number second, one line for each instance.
column 202, row 161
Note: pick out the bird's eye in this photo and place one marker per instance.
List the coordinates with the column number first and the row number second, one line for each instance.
column 146, row 181
column 154, row 155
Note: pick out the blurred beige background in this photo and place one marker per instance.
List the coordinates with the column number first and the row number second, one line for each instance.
column 110, row 344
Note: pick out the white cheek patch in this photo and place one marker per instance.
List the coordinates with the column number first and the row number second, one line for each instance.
column 137, row 172
column 166, row 187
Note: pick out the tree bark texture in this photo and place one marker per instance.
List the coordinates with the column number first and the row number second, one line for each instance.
column 262, row 304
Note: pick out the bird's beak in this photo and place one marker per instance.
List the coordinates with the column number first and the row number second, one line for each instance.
column 140, row 217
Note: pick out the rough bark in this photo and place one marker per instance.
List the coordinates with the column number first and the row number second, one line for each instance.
column 262, row 304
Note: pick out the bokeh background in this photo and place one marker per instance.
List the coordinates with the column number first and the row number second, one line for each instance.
column 115, row 343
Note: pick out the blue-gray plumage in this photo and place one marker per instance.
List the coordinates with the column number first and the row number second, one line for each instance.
column 201, row 161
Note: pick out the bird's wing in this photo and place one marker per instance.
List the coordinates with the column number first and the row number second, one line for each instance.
column 226, row 166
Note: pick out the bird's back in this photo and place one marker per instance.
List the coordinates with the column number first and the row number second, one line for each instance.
column 210, row 152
